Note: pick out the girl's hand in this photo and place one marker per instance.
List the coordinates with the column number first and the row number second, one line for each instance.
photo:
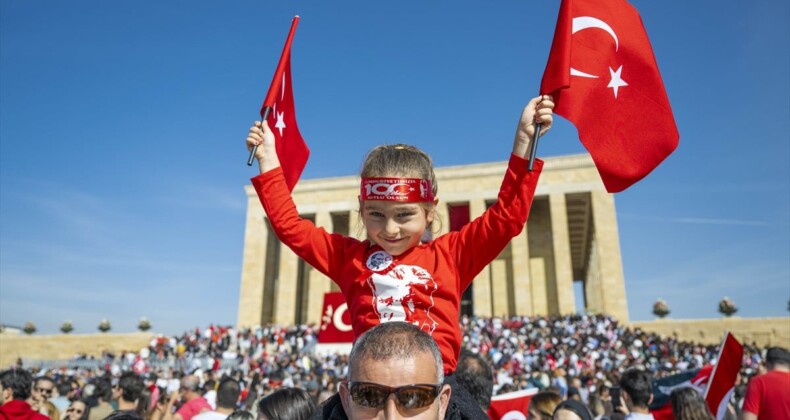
column 260, row 135
column 538, row 111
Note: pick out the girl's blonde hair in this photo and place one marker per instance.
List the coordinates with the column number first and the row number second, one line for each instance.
column 403, row 161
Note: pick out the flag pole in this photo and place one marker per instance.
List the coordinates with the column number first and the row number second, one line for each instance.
column 533, row 148
column 276, row 81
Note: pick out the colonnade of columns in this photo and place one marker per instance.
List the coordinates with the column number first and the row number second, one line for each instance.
column 534, row 275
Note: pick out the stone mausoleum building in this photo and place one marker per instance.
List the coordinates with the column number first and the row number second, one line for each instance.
column 571, row 236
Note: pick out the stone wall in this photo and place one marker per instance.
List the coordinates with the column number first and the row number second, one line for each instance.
column 762, row 331
column 65, row 346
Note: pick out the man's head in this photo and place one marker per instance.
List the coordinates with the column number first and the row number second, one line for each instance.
column 637, row 389
column 65, row 388
column 190, row 387
column 228, row 393
column 15, row 384
column 130, row 387
column 45, row 387
column 476, row 376
column 395, row 369
column 102, row 389
column 777, row 358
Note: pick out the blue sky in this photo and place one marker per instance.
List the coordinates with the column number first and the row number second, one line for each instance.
column 122, row 162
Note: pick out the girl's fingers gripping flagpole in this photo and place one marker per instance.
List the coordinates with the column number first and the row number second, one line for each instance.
column 274, row 87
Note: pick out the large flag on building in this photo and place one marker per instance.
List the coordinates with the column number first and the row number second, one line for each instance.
column 511, row 406
column 279, row 110
column 335, row 320
column 605, row 80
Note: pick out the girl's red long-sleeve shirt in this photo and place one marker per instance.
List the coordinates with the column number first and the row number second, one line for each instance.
column 423, row 285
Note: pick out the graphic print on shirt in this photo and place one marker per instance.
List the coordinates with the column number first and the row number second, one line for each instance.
column 404, row 293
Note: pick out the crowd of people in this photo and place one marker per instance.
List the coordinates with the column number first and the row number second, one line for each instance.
column 578, row 357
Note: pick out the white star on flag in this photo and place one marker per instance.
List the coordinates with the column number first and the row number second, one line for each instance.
column 280, row 124
column 617, row 80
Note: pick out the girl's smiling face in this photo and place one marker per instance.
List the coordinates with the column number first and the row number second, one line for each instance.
column 396, row 226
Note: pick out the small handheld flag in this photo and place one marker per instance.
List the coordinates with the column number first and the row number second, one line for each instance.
column 279, row 111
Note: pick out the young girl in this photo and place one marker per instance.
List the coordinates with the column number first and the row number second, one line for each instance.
column 392, row 276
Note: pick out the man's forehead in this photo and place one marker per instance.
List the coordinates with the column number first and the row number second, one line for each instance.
column 418, row 367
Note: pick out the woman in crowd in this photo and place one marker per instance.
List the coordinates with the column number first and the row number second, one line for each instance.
column 688, row 404
column 77, row 410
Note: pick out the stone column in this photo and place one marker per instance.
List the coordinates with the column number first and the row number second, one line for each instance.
column 607, row 243
column 253, row 265
column 285, row 290
column 499, row 287
column 318, row 283
column 482, row 283
column 563, row 265
column 522, row 288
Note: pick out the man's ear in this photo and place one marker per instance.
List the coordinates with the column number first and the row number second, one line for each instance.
column 345, row 396
column 444, row 399
column 650, row 401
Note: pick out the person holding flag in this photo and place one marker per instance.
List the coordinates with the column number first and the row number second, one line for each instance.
column 391, row 275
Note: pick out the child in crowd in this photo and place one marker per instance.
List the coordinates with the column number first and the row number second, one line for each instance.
column 392, row 276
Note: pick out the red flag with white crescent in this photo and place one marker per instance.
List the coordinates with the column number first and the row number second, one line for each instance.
column 605, row 80
column 511, row 406
column 335, row 320
column 292, row 150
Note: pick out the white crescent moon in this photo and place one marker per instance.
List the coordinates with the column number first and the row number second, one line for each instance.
column 586, row 22
column 337, row 318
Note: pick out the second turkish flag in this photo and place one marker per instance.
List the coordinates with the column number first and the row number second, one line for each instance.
column 605, row 80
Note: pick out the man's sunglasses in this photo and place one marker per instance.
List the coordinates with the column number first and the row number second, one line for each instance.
column 44, row 390
column 371, row 395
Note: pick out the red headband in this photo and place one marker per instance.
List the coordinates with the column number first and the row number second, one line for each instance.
column 408, row 190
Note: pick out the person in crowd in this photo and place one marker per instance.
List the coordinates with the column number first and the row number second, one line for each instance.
column 768, row 395
column 210, row 392
column 286, row 404
column 636, row 394
column 395, row 369
column 392, row 275
column 241, row 415
column 542, row 405
column 477, row 377
column 193, row 401
column 16, row 386
column 143, row 407
column 688, row 404
column 124, row 415
column 43, row 388
column 128, row 392
column 67, row 392
column 572, row 410
column 102, row 393
column 327, row 392
column 227, row 400
column 50, row 410
column 77, row 410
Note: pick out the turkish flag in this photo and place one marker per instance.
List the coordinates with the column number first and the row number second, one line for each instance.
column 605, row 80
column 335, row 320
column 292, row 151
column 722, row 383
column 510, row 406
column 661, row 406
